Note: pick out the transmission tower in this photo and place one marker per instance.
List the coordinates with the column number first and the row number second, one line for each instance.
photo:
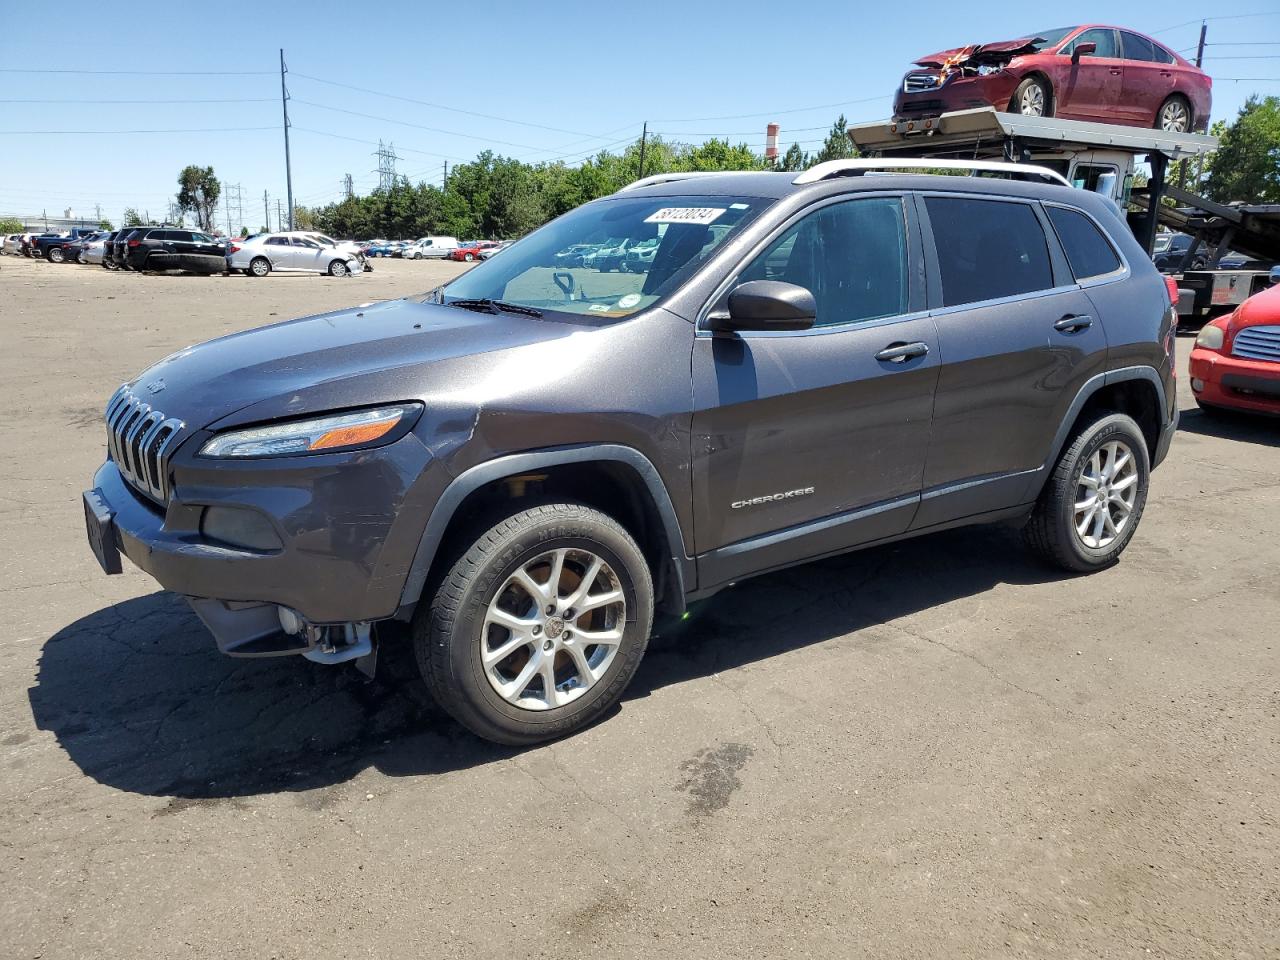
column 348, row 189
column 386, row 166
column 236, row 204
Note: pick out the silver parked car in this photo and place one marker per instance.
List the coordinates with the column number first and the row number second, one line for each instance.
column 94, row 248
column 290, row 252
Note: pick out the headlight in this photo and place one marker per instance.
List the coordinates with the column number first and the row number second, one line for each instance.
column 339, row 431
column 1210, row 337
column 986, row 69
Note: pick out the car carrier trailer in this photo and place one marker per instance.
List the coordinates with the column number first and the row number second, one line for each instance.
column 1104, row 158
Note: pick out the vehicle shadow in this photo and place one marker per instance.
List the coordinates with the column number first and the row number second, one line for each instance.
column 140, row 700
column 1230, row 425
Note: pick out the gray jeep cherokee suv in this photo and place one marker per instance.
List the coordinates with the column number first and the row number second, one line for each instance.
column 530, row 462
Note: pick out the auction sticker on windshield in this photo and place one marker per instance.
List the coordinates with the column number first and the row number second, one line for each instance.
column 702, row 215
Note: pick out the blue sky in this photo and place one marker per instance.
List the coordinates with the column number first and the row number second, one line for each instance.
column 576, row 75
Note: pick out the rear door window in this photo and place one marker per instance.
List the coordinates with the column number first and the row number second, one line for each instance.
column 1162, row 55
column 1136, row 47
column 1088, row 251
column 851, row 256
column 988, row 249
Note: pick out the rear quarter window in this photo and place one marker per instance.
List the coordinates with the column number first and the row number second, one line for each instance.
column 988, row 249
column 1088, row 252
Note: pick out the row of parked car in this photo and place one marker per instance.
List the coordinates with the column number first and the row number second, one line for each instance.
column 616, row 253
column 159, row 247
column 437, row 248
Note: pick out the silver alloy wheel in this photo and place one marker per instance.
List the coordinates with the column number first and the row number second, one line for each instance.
column 338, row 269
column 1032, row 102
column 553, row 629
column 1106, row 495
column 260, row 267
column 1173, row 117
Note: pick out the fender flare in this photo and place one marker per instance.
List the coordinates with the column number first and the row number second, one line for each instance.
column 476, row 477
column 1087, row 390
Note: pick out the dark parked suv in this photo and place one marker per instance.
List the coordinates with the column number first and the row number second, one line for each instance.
column 175, row 248
column 531, row 462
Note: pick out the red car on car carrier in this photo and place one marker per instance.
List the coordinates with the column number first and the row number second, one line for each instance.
column 1236, row 360
column 1089, row 72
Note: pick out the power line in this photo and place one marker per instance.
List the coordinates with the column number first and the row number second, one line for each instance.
column 441, row 106
column 150, row 73
column 107, row 133
column 220, row 100
column 1234, row 16
column 779, row 113
column 418, row 126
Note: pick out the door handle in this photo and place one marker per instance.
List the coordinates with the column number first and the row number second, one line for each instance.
column 1115, row 72
column 902, row 352
column 1073, row 324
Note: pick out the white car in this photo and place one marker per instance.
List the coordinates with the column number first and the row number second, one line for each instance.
column 290, row 253
column 487, row 252
column 430, row 248
column 93, row 250
column 347, row 246
column 12, row 244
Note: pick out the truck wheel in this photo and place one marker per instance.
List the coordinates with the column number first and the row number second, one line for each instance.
column 338, row 269
column 259, row 267
column 1032, row 98
column 55, row 255
column 539, row 626
column 1093, row 500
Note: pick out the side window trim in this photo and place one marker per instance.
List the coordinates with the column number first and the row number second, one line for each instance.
column 916, row 297
column 1118, row 274
column 1061, row 271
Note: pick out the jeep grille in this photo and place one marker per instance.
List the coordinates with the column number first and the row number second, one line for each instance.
column 139, row 441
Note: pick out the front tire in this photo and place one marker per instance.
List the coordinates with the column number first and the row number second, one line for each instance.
column 539, row 626
column 468, row 257
column 338, row 269
column 1093, row 500
column 1032, row 98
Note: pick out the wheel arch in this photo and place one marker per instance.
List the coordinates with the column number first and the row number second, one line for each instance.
column 617, row 479
column 1044, row 78
column 1136, row 391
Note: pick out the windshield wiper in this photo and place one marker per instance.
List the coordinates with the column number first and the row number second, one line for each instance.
column 492, row 306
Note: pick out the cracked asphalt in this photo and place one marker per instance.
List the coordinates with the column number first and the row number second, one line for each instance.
column 936, row 748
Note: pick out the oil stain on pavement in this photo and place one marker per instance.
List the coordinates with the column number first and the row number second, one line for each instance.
column 712, row 777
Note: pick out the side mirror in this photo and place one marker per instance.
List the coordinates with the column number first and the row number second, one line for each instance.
column 766, row 305
column 1082, row 50
column 1274, row 276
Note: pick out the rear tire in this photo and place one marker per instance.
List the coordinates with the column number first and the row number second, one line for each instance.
column 1174, row 115
column 1032, row 98
column 55, row 255
column 258, row 267
column 1087, row 478
column 453, row 633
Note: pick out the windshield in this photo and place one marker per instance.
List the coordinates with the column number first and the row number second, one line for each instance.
column 578, row 264
column 1050, row 38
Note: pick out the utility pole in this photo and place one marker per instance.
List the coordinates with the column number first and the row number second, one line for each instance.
column 280, row 217
column 644, row 136
column 266, row 212
column 97, row 211
column 444, row 186
column 288, row 168
column 1204, row 28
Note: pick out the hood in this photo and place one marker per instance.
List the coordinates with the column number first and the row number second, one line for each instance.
column 1002, row 51
column 385, row 346
column 1261, row 308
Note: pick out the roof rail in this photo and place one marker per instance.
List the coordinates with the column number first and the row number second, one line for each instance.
column 686, row 175
column 861, row 165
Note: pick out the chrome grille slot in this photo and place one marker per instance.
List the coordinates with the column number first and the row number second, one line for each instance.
column 920, row 82
column 139, row 440
column 1258, row 343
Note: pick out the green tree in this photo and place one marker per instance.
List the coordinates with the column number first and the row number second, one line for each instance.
column 198, row 192
column 837, row 146
column 10, row 225
column 1246, row 166
column 105, row 225
column 244, row 232
column 131, row 218
column 794, row 159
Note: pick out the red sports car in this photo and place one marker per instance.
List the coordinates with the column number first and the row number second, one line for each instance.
column 1089, row 72
column 471, row 251
column 1236, row 360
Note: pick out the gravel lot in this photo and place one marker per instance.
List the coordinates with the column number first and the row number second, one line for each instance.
column 933, row 749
